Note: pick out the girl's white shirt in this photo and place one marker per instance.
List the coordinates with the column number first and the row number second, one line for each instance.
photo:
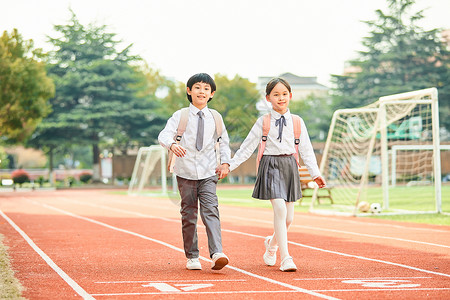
column 196, row 164
column 274, row 146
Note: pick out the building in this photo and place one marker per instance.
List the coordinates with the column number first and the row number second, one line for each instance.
column 302, row 87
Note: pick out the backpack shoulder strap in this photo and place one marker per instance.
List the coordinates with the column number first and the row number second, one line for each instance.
column 218, row 122
column 180, row 130
column 182, row 123
column 297, row 122
column 262, row 144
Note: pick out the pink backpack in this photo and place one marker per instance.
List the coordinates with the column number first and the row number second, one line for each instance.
column 266, row 127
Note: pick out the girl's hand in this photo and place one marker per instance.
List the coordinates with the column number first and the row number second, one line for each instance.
column 178, row 150
column 320, row 182
column 222, row 171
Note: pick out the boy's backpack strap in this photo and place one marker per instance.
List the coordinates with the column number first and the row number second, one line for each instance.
column 262, row 144
column 182, row 124
column 180, row 131
column 297, row 121
column 218, row 121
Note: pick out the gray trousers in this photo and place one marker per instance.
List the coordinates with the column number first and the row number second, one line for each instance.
column 192, row 193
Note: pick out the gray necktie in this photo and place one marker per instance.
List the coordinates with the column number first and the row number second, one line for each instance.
column 199, row 143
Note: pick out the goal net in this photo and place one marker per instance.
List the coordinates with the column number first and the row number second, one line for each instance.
column 149, row 172
column 386, row 153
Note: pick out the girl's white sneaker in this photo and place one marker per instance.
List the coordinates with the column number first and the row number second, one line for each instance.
column 287, row 265
column 270, row 256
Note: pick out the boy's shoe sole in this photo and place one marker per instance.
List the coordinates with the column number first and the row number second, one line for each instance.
column 219, row 262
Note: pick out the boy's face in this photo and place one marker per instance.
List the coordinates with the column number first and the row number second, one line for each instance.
column 279, row 97
column 200, row 94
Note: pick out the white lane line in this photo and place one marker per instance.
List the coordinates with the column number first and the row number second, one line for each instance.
column 295, row 288
column 80, row 291
column 266, row 222
column 290, row 242
column 388, row 289
column 363, row 278
column 348, row 232
column 193, row 293
column 267, row 292
column 187, row 280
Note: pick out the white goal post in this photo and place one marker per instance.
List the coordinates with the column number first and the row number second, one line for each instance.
column 356, row 161
column 146, row 168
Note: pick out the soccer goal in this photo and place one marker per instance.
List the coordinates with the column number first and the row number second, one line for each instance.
column 150, row 171
column 387, row 153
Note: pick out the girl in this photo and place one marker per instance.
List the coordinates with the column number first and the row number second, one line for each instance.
column 278, row 178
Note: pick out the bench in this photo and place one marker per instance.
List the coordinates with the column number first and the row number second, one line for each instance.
column 307, row 183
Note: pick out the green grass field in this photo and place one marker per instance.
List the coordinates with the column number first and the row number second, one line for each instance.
column 401, row 198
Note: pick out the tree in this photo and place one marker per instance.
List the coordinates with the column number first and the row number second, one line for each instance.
column 100, row 96
column 236, row 100
column 24, row 87
column 400, row 56
column 317, row 112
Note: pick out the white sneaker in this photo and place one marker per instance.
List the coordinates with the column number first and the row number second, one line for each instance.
column 270, row 256
column 193, row 264
column 287, row 265
column 219, row 260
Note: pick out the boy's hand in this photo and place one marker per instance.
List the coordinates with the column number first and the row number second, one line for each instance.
column 320, row 182
column 222, row 171
column 178, row 150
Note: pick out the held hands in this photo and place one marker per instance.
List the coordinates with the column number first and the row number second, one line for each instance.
column 222, row 171
column 320, row 182
column 178, row 150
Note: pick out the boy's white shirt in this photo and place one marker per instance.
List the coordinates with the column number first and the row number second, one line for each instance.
column 274, row 147
column 196, row 164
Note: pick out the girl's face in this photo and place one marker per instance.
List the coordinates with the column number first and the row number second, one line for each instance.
column 200, row 94
column 279, row 97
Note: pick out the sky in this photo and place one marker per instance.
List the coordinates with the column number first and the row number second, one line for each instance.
column 250, row 38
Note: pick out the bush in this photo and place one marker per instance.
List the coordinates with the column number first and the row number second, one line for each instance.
column 20, row 176
column 85, row 177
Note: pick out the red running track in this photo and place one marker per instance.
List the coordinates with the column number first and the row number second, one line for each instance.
column 98, row 245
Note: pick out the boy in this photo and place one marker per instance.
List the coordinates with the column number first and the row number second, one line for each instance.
column 195, row 168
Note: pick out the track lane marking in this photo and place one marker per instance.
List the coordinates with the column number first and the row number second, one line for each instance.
column 349, row 233
column 263, row 221
column 365, row 278
column 184, row 280
column 195, row 293
column 290, row 242
column 328, row 218
column 383, row 290
column 78, row 289
column 294, row 288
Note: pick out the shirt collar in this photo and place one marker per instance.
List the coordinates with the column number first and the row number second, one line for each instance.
column 277, row 115
column 194, row 110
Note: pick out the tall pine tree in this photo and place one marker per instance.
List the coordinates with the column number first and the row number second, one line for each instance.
column 97, row 93
column 399, row 56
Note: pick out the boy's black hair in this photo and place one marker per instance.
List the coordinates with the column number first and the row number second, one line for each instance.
column 200, row 77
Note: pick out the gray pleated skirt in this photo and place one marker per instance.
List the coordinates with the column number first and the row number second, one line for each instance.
column 278, row 178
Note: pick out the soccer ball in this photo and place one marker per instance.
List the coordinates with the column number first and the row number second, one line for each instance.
column 363, row 206
column 375, row 208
